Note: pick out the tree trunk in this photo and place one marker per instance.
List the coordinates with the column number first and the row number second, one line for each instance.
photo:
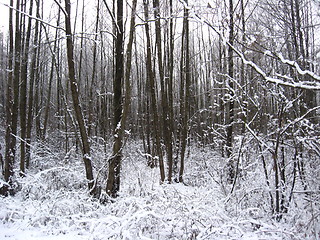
column 93, row 76
column 151, row 79
column 23, row 95
column 113, row 182
column 170, row 90
column 230, row 114
column 13, row 94
column 9, row 151
column 53, row 66
column 76, row 103
column 33, row 69
column 185, row 68
column 165, row 120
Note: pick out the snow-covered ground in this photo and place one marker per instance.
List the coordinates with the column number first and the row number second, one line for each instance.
column 53, row 204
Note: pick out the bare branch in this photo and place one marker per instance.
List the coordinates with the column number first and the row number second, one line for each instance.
column 32, row 17
column 61, row 8
column 112, row 16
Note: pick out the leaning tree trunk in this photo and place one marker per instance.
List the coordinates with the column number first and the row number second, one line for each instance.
column 76, row 103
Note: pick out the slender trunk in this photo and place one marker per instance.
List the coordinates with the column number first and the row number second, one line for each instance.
column 81, row 40
column 53, row 64
column 242, row 71
column 12, row 98
column 165, row 120
column 37, row 101
column 230, row 119
column 9, row 157
column 277, row 167
column 186, row 98
column 113, row 182
column 93, row 76
column 34, row 66
column 151, row 79
column 23, row 95
column 282, row 166
column 170, row 93
column 16, row 79
column 76, row 102
column 265, row 170
column 277, row 185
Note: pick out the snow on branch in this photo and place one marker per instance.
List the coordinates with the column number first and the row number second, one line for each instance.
column 297, row 67
column 298, row 119
column 302, row 84
column 258, row 139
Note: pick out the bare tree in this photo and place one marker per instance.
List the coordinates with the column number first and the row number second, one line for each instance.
column 33, row 69
column 184, row 90
column 113, row 182
column 10, row 139
column 76, row 103
column 151, row 80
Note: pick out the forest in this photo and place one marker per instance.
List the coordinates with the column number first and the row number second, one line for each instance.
column 160, row 119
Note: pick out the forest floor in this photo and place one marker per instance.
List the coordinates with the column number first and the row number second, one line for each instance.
column 53, row 203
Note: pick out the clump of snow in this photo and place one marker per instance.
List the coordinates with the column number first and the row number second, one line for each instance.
column 54, row 203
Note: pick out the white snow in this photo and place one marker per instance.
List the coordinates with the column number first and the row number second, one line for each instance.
column 53, row 203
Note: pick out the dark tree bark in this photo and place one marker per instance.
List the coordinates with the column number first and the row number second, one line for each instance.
column 151, row 79
column 16, row 79
column 23, row 95
column 230, row 113
column 185, row 92
column 33, row 69
column 12, row 98
column 52, row 70
column 91, row 109
column 9, row 151
column 113, row 182
column 76, row 103
column 165, row 120
column 172, row 165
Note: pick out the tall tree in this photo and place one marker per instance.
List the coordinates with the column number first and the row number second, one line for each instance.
column 185, row 88
column 230, row 80
column 151, row 81
column 33, row 69
column 53, row 68
column 76, row 103
column 172, row 168
column 10, row 148
column 23, row 94
column 93, row 76
column 13, row 96
column 165, row 120
column 113, row 182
